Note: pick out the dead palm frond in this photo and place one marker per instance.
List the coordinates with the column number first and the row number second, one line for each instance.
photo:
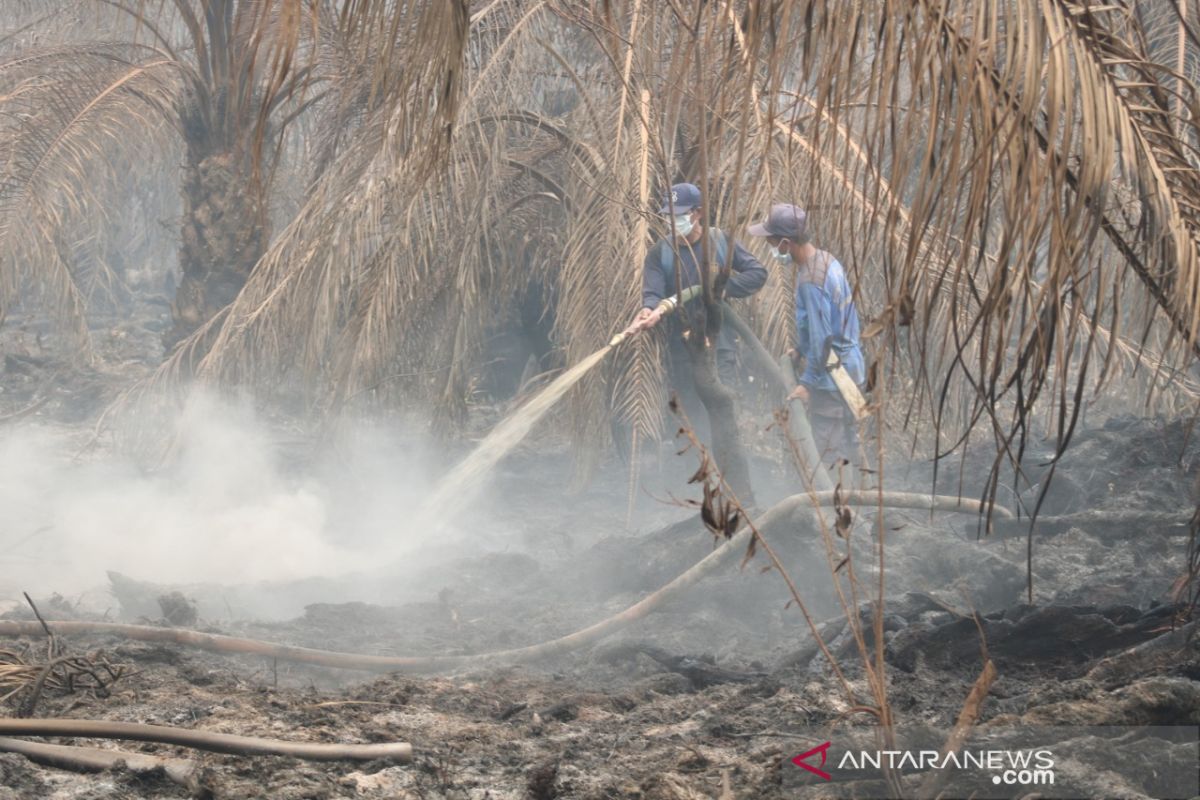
column 227, row 78
column 65, row 111
column 1005, row 170
column 347, row 249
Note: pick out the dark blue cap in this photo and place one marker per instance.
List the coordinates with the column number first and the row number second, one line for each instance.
column 683, row 197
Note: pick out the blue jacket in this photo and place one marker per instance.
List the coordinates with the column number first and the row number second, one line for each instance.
column 825, row 312
column 746, row 274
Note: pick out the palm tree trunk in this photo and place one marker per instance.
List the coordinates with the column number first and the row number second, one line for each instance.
column 224, row 232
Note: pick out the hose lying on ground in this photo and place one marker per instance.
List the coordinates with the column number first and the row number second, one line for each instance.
column 206, row 740
column 93, row 759
column 775, row 520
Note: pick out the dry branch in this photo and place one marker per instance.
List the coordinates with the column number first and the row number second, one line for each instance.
column 94, row 759
column 966, row 720
column 58, row 670
column 24, row 412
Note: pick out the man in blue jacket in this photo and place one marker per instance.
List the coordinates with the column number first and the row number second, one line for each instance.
column 681, row 250
column 825, row 318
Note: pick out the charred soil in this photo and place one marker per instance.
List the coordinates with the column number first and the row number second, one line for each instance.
column 708, row 697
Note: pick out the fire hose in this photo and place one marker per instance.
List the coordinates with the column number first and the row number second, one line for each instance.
column 228, row 743
column 798, row 426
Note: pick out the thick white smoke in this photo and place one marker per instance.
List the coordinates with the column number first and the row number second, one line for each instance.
column 230, row 508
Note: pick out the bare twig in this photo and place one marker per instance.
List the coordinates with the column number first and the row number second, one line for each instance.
column 24, row 412
column 35, row 693
column 63, row 673
column 38, row 614
column 967, row 718
column 334, row 703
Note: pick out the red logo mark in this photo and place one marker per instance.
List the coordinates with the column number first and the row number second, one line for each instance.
column 821, row 748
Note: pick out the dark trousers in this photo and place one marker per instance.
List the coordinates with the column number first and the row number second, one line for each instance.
column 682, row 382
column 835, row 431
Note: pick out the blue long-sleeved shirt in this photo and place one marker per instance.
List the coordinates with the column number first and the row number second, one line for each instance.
column 825, row 309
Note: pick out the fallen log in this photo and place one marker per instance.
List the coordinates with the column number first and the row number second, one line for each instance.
column 1172, row 649
column 1023, row 635
column 206, row 740
column 776, row 520
column 1104, row 524
column 699, row 672
column 92, row 759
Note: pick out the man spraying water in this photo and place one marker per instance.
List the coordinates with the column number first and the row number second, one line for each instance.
column 675, row 261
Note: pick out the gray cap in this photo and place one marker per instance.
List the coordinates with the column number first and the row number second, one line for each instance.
column 784, row 220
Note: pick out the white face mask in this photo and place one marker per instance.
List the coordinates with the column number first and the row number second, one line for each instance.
column 682, row 224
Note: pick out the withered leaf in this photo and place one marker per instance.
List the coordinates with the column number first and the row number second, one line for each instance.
column 906, row 309
column 751, row 550
column 872, row 376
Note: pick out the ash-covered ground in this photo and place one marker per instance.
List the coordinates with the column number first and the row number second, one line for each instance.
column 708, row 697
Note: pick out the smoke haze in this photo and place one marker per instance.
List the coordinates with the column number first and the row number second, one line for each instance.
column 231, row 508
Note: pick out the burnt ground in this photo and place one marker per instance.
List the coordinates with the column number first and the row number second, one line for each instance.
column 709, row 697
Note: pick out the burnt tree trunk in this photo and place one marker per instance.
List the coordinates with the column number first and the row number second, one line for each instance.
column 223, row 234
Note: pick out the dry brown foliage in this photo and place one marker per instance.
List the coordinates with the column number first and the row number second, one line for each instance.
column 1012, row 187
